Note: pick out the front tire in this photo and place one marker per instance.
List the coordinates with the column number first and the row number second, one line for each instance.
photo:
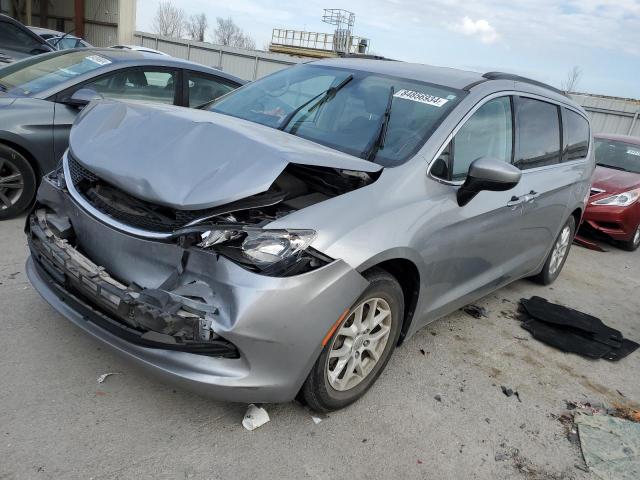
column 17, row 183
column 360, row 348
column 558, row 255
column 633, row 244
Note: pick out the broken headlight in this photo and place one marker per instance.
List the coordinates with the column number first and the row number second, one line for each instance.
column 270, row 252
column 265, row 247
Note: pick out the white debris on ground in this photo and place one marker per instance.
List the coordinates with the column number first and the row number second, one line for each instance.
column 104, row 376
column 255, row 417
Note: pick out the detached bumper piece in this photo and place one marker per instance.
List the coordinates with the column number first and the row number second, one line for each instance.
column 156, row 318
column 572, row 331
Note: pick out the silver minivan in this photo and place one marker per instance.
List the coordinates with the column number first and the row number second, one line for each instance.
column 284, row 239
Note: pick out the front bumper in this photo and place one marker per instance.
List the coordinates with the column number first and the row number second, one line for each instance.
column 276, row 324
column 618, row 223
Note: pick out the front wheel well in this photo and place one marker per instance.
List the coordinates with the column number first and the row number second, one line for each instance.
column 577, row 214
column 407, row 275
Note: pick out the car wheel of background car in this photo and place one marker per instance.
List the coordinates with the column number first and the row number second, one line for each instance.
column 558, row 255
column 634, row 243
column 17, row 183
column 360, row 348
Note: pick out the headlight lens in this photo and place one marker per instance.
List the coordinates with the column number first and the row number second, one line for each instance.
column 620, row 200
column 265, row 247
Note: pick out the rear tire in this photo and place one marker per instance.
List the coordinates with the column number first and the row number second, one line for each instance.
column 17, row 183
column 339, row 379
column 558, row 254
column 633, row 244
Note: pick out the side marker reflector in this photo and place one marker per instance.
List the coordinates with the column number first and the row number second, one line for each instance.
column 334, row 327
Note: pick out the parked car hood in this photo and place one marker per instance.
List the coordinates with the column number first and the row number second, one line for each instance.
column 615, row 181
column 191, row 159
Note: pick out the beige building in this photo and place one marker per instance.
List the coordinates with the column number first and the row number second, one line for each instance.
column 101, row 22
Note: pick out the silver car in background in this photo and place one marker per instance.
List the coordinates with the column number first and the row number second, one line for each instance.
column 286, row 240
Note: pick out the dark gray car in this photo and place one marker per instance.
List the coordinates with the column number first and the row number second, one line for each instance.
column 288, row 239
column 17, row 41
column 41, row 96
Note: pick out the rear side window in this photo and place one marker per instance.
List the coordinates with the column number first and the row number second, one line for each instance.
column 538, row 136
column 576, row 136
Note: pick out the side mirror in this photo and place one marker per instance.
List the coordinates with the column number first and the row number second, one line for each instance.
column 83, row 96
column 488, row 174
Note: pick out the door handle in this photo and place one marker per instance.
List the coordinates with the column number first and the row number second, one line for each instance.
column 531, row 196
column 515, row 201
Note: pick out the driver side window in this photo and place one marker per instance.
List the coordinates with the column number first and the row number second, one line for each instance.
column 487, row 133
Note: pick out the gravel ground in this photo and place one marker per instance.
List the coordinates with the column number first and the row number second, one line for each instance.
column 437, row 415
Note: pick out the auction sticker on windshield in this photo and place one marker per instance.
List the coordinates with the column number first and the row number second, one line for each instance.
column 633, row 152
column 99, row 60
column 420, row 97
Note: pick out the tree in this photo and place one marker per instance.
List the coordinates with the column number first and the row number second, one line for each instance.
column 197, row 26
column 230, row 34
column 169, row 20
column 570, row 83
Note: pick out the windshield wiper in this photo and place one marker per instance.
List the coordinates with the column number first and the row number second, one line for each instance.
column 321, row 98
column 612, row 166
column 377, row 142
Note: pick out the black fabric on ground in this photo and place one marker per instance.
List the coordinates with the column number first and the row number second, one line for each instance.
column 628, row 346
column 548, row 312
column 572, row 331
column 566, row 339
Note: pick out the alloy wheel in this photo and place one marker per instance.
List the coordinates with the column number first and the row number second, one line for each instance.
column 560, row 249
column 11, row 184
column 636, row 237
column 358, row 344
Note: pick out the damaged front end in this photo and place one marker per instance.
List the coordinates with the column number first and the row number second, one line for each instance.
column 174, row 263
column 174, row 316
column 187, row 313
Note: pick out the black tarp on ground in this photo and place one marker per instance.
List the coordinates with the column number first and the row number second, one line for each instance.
column 572, row 331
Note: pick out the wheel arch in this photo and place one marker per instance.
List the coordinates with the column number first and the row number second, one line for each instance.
column 406, row 272
column 577, row 215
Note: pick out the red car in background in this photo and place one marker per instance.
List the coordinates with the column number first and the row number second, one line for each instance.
column 614, row 206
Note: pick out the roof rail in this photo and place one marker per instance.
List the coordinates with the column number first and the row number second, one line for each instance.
column 518, row 78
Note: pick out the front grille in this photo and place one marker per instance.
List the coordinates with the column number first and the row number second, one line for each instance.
column 126, row 208
column 79, row 173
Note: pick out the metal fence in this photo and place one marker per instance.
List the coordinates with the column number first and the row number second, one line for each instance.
column 246, row 64
column 611, row 115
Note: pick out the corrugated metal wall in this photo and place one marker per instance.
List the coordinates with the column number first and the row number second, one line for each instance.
column 611, row 115
column 246, row 64
column 101, row 22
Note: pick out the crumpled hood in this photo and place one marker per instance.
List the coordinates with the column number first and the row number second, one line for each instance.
column 190, row 159
column 615, row 181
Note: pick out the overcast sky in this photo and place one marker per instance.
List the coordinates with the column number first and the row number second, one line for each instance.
column 542, row 39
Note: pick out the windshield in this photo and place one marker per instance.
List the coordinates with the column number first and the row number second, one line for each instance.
column 345, row 109
column 37, row 74
column 617, row 154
